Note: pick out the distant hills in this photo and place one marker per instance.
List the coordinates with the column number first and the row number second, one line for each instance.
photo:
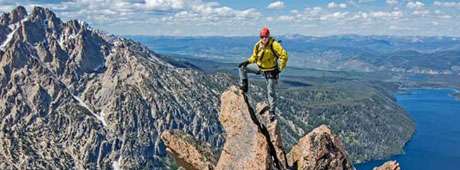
column 418, row 55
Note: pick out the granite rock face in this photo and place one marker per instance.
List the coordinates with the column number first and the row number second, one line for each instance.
column 254, row 144
column 187, row 151
column 319, row 149
column 246, row 147
column 93, row 100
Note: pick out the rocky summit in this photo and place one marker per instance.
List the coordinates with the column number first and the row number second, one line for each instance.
column 73, row 97
column 252, row 143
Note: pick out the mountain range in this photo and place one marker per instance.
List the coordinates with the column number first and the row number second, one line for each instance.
column 73, row 97
column 412, row 54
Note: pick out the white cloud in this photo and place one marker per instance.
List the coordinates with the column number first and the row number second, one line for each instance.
column 382, row 14
column 315, row 10
column 212, row 13
column 421, row 12
column 334, row 16
column 392, row 2
column 365, row 1
column 207, row 17
column 400, row 28
column 294, row 11
column 418, row 8
column 102, row 12
column 447, row 4
column 415, row 5
column 336, row 5
column 276, row 5
column 168, row 4
column 445, row 17
column 286, row 18
column 269, row 19
column 358, row 16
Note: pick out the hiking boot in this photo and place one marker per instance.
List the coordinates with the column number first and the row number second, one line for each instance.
column 244, row 85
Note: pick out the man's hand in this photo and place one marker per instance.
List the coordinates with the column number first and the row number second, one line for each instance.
column 243, row 64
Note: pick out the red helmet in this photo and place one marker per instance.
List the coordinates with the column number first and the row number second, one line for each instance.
column 264, row 32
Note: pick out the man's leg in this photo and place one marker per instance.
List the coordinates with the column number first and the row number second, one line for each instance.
column 244, row 75
column 271, row 90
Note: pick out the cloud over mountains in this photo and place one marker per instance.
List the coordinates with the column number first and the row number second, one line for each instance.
column 200, row 17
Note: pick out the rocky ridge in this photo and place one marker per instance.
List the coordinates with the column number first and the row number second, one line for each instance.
column 253, row 144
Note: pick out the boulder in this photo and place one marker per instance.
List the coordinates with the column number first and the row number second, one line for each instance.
column 187, row 152
column 319, row 149
column 389, row 165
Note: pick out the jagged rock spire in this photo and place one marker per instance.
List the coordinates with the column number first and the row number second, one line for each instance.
column 253, row 144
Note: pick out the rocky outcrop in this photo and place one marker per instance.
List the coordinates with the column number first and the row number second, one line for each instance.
column 319, row 149
column 254, row 144
column 390, row 165
column 245, row 147
column 272, row 127
column 188, row 152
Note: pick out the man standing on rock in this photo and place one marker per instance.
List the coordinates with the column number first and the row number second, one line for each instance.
column 271, row 59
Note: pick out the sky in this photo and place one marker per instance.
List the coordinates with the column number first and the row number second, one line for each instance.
column 247, row 17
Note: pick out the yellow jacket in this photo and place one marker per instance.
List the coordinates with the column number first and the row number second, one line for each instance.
column 264, row 57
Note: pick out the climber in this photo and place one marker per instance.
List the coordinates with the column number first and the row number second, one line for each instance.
column 271, row 59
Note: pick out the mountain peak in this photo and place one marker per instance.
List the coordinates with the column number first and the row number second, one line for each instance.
column 40, row 12
column 16, row 15
column 46, row 16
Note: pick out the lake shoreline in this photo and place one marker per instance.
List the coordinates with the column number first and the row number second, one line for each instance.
column 432, row 100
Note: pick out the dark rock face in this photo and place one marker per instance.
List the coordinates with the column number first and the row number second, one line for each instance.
column 8, row 21
column 14, row 16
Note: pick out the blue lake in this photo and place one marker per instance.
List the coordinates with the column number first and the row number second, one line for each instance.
column 436, row 142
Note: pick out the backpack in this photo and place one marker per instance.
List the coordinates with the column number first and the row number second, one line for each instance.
column 271, row 48
column 273, row 51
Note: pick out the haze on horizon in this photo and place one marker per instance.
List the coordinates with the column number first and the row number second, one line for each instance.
column 243, row 18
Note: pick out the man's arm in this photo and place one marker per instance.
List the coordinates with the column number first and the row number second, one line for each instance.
column 282, row 54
